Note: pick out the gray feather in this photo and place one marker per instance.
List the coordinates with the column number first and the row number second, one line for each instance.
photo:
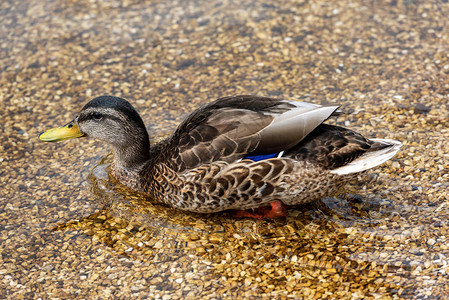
column 288, row 129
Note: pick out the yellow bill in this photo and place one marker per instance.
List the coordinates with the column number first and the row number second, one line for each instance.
column 68, row 131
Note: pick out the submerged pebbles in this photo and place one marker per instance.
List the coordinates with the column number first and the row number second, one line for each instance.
column 67, row 232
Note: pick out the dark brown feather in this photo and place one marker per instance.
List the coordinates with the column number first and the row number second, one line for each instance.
column 331, row 146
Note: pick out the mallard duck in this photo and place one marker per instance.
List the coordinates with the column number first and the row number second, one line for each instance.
column 236, row 153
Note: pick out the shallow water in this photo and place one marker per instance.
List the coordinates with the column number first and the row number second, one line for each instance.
column 68, row 231
column 370, row 234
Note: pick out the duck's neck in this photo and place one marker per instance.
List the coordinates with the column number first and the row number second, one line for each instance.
column 130, row 163
column 134, row 155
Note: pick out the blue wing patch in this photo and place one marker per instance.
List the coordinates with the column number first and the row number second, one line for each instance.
column 261, row 157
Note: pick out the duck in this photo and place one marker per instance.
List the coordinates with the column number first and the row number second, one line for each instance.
column 250, row 154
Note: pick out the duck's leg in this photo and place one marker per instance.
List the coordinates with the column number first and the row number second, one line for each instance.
column 277, row 210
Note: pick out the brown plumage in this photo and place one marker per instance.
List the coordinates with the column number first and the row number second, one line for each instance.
column 203, row 167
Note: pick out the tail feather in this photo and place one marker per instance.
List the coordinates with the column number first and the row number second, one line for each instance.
column 371, row 159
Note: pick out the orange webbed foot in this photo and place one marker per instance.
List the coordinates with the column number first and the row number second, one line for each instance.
column 276, row 210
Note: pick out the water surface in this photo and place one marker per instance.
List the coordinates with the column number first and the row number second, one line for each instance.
column 67, row 231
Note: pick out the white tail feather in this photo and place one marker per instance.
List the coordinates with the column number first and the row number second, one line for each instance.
column 370, row 159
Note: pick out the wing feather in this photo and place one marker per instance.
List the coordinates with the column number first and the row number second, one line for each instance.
column 230, row 128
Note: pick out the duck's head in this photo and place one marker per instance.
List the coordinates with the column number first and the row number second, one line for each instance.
column 112, row 120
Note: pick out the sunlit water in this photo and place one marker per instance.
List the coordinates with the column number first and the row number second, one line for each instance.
column 369, row 228
column 68, row 230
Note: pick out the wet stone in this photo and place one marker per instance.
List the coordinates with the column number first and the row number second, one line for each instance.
column 421, row 109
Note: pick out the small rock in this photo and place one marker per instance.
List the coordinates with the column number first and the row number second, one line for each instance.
column 421, row 109
column 431, row 242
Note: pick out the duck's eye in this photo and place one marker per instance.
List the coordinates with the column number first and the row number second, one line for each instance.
column 97, row 116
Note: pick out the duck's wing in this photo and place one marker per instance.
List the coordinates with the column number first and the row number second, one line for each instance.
column 342, row 150
column 330, row 146
column 230, row 128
